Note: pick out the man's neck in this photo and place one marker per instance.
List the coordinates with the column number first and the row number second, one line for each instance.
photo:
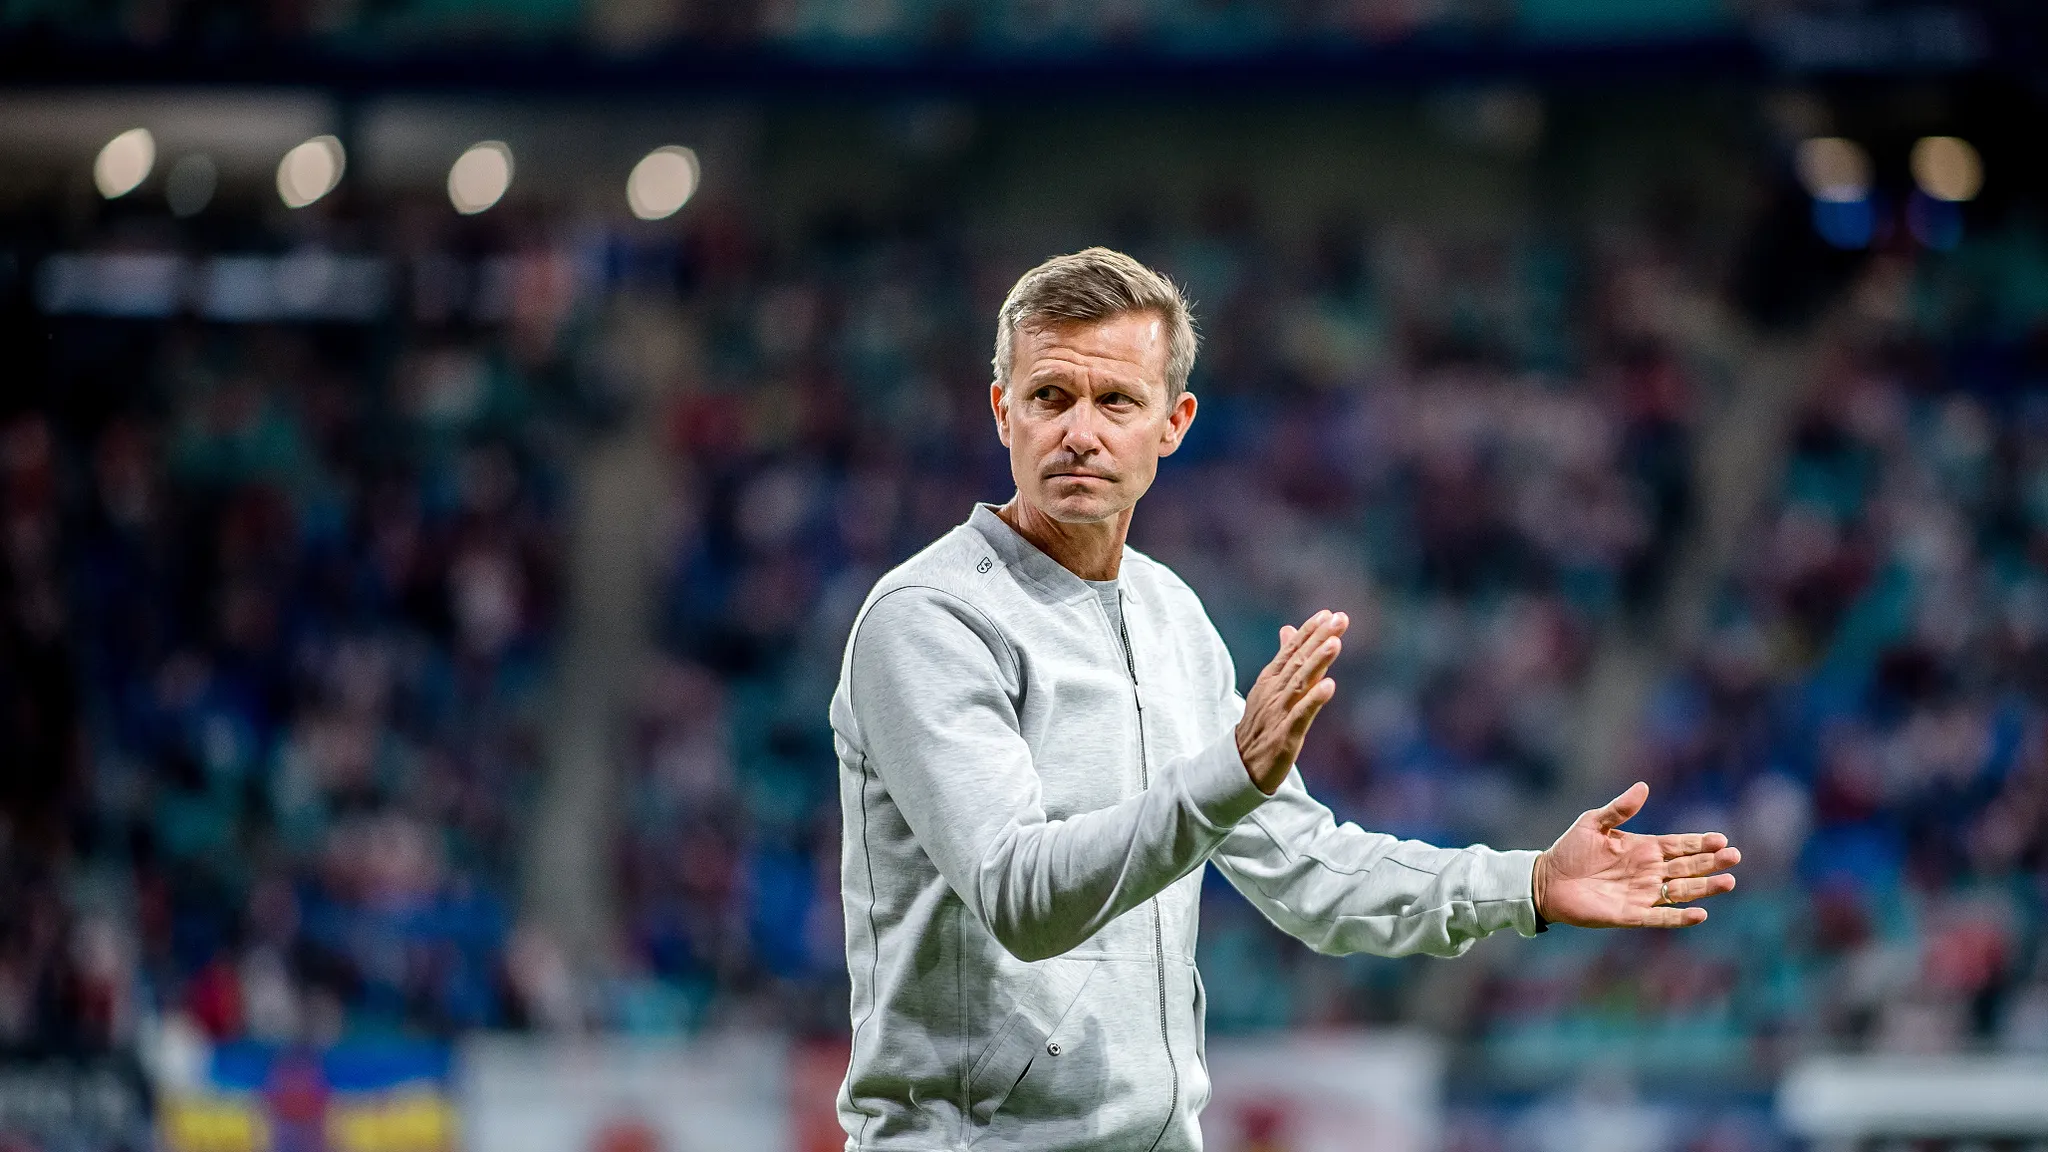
column 1090, row 551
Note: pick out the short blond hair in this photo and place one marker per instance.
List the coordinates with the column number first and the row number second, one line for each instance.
column 1096, row 284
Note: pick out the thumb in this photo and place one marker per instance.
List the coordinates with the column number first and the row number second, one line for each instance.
column 1622, row 807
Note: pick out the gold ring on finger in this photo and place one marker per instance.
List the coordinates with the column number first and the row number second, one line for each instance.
column 1664, row 893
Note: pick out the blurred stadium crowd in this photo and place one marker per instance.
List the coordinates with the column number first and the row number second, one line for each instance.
column 274, row 663
column 868, row 28
column 283, row 606
column 669, row 43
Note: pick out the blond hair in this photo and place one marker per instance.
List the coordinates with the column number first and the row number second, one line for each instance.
column 1096, row 284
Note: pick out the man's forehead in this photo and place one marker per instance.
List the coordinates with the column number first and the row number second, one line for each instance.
column 1130, row 344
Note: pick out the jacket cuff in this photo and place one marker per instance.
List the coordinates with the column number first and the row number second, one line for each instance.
column 1218, row 784
column 1505, row 892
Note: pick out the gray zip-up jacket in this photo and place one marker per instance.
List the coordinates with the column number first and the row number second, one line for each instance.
column 1030, row 795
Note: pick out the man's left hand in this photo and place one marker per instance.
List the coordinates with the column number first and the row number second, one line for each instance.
column 1597, row 876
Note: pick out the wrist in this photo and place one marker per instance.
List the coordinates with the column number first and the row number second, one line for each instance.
column 1247, row 759
column 1222, row 791
column 1539, row 878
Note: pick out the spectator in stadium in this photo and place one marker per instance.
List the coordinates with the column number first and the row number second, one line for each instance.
column 1007, row 805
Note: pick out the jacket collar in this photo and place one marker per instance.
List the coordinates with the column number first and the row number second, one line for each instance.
column 1023, row 557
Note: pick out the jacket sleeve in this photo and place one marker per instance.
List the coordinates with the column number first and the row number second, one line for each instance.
column 1340, row 889
column 932, row 690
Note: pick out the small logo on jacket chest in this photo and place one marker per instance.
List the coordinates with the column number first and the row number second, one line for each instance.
column 984, row 566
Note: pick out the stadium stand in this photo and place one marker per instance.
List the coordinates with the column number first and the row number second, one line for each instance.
column 284, row 595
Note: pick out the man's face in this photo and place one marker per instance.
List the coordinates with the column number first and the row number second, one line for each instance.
column 1085, row 415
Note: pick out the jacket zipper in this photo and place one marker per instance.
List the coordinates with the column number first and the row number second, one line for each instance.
column 1158, row 930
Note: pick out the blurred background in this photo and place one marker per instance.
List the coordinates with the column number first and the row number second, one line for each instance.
column 443, row 444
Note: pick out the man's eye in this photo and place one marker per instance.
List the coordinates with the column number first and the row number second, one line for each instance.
column 1115, row 398
column 1046, row 392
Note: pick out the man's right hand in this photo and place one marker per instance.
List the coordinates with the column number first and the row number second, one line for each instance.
column 1290, row 690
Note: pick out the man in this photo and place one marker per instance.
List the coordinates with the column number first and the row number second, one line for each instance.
column 1041, row 745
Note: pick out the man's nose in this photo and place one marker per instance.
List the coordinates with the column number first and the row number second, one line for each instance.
column 1079, row 433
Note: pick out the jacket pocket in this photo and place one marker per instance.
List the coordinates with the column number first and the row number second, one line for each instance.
column 1002, row 1065
column 1009, row 1055
column 1199, row 1086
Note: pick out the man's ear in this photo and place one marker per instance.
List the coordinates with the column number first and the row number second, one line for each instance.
column 1178, row 418
column 996, row 396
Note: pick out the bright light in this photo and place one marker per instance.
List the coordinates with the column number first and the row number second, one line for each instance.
column 479, row 177
column 662, row 182
column 1947, row 168
column 124, row 163
column 310, row 171
column 190, row 185
column 1834, row 169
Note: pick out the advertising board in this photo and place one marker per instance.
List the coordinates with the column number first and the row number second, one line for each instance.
column 362, row 1097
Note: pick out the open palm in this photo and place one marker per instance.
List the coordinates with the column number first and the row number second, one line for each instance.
column 1597, row 876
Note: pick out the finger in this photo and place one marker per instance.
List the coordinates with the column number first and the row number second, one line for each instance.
column 1318, row 663
column 1702, row 864
column 1304, row 711
column 1292, row 638
column 1287, row 635
column 1622, row 807
column 1323, row 626
column 1306, row 636
column 1697, row 888
column 1691, row 843
column 1667, row 917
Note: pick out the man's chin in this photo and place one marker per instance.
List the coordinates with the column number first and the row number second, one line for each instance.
column 1095, row 513
column 1079, row 508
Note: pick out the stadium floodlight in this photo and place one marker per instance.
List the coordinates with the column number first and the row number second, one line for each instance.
column 1947, row 168
column 310, row 171
column 480, row 176
column 189, row 187
column 662, row 182
column 124, row 163
column 1834, row 170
